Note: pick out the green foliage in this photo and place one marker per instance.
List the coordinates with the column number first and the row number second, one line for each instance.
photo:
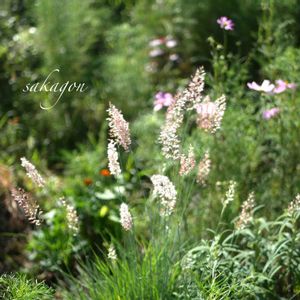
column 19, row 287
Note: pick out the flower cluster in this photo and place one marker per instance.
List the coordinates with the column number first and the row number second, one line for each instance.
column 32, row 172
column 28, row 204
column 118, row 127
column 162, row 99
column 165, row 190
column 113, row 160
column 210, row 114
column 204, row 168
column 72, row 217
column 246, row 213
column 225, row 23
column 187, row 162
column 125, row 217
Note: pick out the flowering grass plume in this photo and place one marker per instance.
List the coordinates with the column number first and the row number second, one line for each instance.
column 28, row 204
column 225, row 23
column 165, row 190
column 229, row 196
column 187, row 162
column 113, row 160
column 32, row 172
column 125, row 217
column 112, row 254
column 247, row 212
column 118, row 127
column 294, row 205
column 72, row 217
column 193, row 93
column 184, row 101
column 204, row 169
column 210, row 114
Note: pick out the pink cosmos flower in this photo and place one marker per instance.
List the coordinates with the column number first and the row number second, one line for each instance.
column 266, row 86
column 225, row 23
column 282, row 85
column 270, row 113
column 162, row 99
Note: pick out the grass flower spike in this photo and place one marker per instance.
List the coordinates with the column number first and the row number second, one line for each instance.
column 204, row 169
column 32, row 172
column 125, row 217
column 72, row 217
column 246, row 213
column 113, row 160
column 30, row 207
column 112, row 254
column 118, row 127
column 165, row 190
column 187, row 162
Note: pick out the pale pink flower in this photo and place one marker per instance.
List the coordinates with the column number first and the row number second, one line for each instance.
column 187, row 162
column 113, row 160
column 118, row 127
column 225, row 23
column 210, row 114
column 266, row 86
column 270, row 113
column 247, row 212
column 171, row 43
column 204, row 169
column 157, row 42
column 28, row 204
column 156, row 52
column 125, row 217
column 174, row 57
column 282, row 85
column 32, row 172
column 165, row 190
column 162, row 99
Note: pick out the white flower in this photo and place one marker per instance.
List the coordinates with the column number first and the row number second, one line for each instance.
column 32, row 172
column 113, row 162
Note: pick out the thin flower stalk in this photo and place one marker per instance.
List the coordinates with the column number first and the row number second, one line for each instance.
column 118, row 127
column 28, row 204
column 32, row 172
column 165, row 190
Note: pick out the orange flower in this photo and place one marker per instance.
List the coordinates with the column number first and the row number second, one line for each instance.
column 14, row 121
column 104, row 172
column 87, row 181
